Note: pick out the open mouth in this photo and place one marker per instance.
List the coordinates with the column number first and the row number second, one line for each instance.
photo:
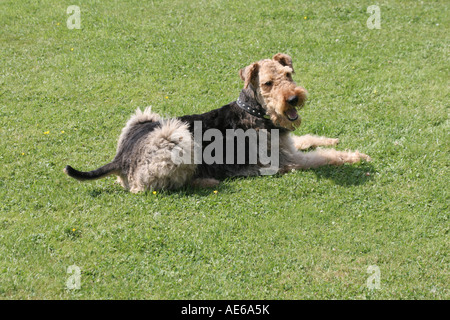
column 291, row 114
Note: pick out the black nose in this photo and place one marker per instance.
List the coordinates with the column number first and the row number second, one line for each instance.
column 292, row 100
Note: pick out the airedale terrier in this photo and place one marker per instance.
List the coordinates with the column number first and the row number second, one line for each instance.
column 155, row 153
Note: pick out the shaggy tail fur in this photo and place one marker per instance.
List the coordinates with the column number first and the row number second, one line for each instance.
column 101, row 172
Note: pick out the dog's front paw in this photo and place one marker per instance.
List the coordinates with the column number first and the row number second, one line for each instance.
column 331, row 142
column 353, row 157
column 337, row 158
column 363, row 156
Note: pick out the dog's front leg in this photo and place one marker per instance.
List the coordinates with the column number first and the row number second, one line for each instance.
column 309, row 141
column 322, row 157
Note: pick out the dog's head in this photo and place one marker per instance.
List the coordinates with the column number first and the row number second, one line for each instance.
column 274, row 89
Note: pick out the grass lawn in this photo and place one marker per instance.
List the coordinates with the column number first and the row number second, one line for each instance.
column 65, row 95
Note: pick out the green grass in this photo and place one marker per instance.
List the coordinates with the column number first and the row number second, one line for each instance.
column 305, row 235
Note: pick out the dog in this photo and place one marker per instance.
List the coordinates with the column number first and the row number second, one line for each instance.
column 268, row 104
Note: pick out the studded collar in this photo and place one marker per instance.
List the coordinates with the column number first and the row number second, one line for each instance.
column 251, row 106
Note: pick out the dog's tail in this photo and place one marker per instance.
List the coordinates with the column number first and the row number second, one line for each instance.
column 106, row 170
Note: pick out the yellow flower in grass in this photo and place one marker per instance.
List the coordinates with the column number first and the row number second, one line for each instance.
column 154, row 192
column 46, row 132
column 73, row 230
column 216, row 192
column 62, row 131
column 71, row 49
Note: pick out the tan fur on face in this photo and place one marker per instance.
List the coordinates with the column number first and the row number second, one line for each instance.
column 271, row 79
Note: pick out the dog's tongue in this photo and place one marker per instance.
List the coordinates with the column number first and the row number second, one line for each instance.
column 292, row 114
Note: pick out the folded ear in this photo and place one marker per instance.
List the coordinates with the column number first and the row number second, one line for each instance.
column 249, row 74
column 284, row 60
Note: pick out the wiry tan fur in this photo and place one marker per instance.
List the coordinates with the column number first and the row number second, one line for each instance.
column 278, row 72
column 292, row 159
column 309, row 141
column 274, row 98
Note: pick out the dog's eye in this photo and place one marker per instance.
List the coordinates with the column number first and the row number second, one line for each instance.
column 289, row 75
column 268, row 83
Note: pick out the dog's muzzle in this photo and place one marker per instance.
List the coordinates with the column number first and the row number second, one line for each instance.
column 291, row 114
